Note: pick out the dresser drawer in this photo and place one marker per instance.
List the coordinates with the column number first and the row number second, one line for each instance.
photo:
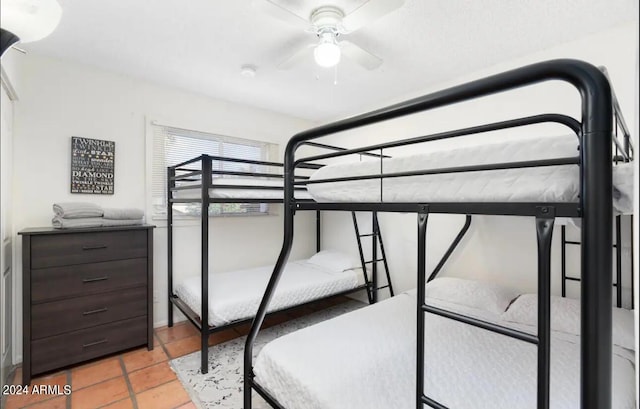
column 72, row 347
column 78, row 248
column 58, row 317
column 59, row 282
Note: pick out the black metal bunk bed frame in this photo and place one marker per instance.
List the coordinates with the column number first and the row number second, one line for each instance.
column 594, row 207
column 182, row 172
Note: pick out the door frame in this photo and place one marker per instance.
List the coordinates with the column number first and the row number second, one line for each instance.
column 7, row 360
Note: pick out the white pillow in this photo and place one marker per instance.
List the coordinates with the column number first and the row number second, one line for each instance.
column 565, row 317
column 332, row 260
column 476, row 294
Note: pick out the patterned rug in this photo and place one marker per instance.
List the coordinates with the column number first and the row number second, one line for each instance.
column 222, row 386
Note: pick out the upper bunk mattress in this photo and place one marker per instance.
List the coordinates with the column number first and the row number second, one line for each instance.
column 236, row 295
column 540, row 184
column 367, row 359
column 229, row 193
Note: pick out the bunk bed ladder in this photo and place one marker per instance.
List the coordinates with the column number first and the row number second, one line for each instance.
column 617, row 246
column 376, row 236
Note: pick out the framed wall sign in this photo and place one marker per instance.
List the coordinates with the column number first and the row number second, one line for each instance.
column 92, row 165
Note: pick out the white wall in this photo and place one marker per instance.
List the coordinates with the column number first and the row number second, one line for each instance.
column 499, row 249
column 61, row 99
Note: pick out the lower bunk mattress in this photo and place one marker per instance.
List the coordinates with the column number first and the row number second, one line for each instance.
column 236, row 295
column 366, row 359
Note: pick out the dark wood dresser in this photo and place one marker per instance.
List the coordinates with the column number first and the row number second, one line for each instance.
column 86, row 293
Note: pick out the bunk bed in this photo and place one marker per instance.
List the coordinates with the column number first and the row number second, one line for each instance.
column 585, row 191
column 216, row 302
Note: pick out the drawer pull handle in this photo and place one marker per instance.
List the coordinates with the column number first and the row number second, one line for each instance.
column 99, row 310
column 93, row 280
column 94, row 247
column 91, row 344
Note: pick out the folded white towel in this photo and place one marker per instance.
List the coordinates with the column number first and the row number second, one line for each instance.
column 123, row 214
column 121, row 222
column 75, row 210
column 64, row 223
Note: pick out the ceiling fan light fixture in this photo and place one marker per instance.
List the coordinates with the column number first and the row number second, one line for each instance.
column 327, row 53
column 30, row 20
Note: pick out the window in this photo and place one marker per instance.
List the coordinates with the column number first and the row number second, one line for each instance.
column 174, row 145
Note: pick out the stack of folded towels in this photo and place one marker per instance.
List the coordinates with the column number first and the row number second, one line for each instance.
column 74, row 215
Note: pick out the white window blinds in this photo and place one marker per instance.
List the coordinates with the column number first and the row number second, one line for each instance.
column 175, row 145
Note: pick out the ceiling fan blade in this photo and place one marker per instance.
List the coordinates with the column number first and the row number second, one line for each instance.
column 277, row 11
column 360, row 55
column 368, row 12
column 295, row 58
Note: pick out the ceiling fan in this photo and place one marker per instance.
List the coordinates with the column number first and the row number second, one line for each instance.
column 329, row 23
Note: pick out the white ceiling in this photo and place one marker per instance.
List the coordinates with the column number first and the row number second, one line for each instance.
column 199, row 45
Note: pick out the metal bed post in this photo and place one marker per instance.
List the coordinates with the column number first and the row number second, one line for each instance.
column 597, row 214
column 618, row 247
column 563, row 257
column 171, row 173
column 422, row 281
column 374, row 259
column 631, row 267
column 318, row 231
column 544, row 233
column 204, row 267
column 287, row 242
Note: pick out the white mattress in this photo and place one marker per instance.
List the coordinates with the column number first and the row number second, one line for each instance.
column 236, row 295
column 541, row 184
column 366, row 359
column 239, row 193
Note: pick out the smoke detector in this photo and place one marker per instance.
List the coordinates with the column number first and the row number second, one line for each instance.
column 248, row 70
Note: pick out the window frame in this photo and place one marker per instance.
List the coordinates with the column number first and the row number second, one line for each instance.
column 269, row 153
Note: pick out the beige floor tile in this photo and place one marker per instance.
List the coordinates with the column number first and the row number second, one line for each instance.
column 141, row 358
column 168, row 396
column 183, row 346
column 55, row 403
column 95, row 372
column 121, row 404
column 100, row 394
column 177, row 332
column 151, row 377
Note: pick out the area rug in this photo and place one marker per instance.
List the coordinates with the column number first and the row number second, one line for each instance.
column 222, row 387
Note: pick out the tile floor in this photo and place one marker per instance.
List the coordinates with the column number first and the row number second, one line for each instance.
column 137, row 379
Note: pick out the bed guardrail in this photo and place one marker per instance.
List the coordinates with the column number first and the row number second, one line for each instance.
column 594, row 206
column 624, row 148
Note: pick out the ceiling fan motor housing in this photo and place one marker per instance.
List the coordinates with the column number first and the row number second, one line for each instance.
column 327, row 19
